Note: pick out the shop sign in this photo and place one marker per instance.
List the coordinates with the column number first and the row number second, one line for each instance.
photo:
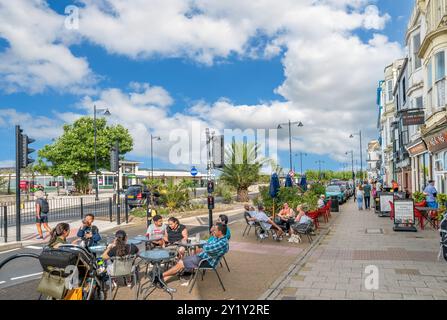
column 413, row 118
column 417, row 149
column 437, row 142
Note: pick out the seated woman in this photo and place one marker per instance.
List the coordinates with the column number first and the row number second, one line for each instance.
column 175, row 232
column 301, row 218
column 59, row 235
column 119, row 248
column 286, row 216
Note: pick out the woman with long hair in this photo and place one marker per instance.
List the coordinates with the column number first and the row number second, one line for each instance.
column 119, row 247
column 58, row 235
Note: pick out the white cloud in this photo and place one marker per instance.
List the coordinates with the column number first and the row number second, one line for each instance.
column 330, row 74
column 37, row 56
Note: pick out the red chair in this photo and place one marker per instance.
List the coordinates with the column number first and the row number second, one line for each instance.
column 418, row 215
column 392, row 210
column 322, row 213
column 328, row 208
column 314, row 216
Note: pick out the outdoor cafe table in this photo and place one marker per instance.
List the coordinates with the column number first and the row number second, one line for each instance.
column 156, row 257
column 424, row 211
column 148, row 241
column 191, row 245
column 98, row 250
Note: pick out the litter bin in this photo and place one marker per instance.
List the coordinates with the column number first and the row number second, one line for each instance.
column 335, row 205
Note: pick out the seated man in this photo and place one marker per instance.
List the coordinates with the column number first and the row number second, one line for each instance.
column 88, row 233
column 156, row 230
column 212, row 251
column 175, row 232
column 321, row 203
column 223, row 219
column 267, row 223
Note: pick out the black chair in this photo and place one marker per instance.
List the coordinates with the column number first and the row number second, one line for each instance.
column 204, row 268
column 304, row 229
column 249, row 225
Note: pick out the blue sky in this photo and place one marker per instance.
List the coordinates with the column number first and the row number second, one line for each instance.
column 240, row 78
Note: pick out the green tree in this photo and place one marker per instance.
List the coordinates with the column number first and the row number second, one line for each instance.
column 241, row 169
column 72, row 154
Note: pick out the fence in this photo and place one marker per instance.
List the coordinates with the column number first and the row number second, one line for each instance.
column 61, row 210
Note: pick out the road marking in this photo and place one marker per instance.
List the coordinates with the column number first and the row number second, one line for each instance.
column 27, row 276
column 10, row 250
column 33, row 247
column 2, row 282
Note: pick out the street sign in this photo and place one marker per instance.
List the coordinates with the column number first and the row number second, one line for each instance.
column 194, row 171
column 385, row 199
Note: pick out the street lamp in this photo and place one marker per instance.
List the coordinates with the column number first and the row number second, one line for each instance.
column 105, row 112
column 319, row 168
column 361, row 153
column 301, row 159
column 352, row 159
column 299, row 124
column 157, row 138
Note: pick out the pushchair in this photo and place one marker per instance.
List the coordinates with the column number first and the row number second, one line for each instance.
column 69, row 272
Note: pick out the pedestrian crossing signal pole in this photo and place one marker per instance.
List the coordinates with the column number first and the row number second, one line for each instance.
column 18, row 158
column 210, row 183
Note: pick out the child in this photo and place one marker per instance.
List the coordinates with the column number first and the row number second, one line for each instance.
column 360, row 197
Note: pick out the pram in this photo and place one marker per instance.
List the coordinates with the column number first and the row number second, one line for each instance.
column 67, row 268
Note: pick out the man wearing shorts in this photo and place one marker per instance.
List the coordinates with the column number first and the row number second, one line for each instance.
column 212, row 251
column 41, row 215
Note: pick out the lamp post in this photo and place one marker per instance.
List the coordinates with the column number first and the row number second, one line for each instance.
column 152, row 154
column 299, row 124
column 301, row 154
column 106, row 112
column 352, row 159
column 361, row 153
column 319, row 168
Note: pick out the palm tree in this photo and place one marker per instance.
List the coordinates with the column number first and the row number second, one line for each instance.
column 241, row 169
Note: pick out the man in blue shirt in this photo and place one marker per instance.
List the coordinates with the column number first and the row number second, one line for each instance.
column 213, row 251
column 88, row 232
column 431, row 192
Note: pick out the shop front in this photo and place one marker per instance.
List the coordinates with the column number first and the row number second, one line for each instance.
column 437, row 145
column 403, row 172
column 420, row 164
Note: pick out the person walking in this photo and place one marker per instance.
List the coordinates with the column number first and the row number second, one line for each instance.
column 42, row 209
column 431, row 193
column 367, row 194
column 394, row 186
column 359, row 196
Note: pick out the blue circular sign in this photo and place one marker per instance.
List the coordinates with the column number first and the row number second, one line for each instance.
column 194, row 171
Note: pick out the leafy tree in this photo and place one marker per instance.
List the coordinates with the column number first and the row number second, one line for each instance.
column 241, row 169
column 72, row 154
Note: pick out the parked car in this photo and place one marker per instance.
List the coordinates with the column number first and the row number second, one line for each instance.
column 136, row 195
column 336, row 190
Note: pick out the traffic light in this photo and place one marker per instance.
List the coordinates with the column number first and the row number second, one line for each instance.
column 210, row 187
column 210, row 202
column 25, row 150
column 114, row 158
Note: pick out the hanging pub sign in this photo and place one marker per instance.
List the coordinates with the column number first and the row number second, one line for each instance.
column 385, row 199
column 413, row 118
column 404, row 215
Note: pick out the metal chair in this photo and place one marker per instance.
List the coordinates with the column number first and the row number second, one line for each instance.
column 204, row 269
column 123, row 267
column 250, row 224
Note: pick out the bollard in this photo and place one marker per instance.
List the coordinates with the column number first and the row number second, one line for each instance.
column 5, row 223
column 82, row 209
column 127, row 211
column 110, row 209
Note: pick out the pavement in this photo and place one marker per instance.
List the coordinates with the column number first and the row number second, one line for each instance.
column 361, row 258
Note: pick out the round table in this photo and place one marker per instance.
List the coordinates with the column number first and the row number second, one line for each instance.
column 134, row 241
column 190, row 245
column 156, row 257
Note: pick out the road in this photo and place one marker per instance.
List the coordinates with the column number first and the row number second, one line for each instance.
column 18, row 278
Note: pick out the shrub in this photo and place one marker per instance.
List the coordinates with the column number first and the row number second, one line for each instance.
column 418, row 196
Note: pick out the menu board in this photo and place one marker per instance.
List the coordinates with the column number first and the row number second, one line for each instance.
column 385, row 198
column 404, row 211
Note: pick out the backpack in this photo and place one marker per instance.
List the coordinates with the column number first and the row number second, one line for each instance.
column 443, row 234
column 44, row 206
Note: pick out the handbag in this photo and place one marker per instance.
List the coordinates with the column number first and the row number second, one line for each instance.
column 52, row 285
